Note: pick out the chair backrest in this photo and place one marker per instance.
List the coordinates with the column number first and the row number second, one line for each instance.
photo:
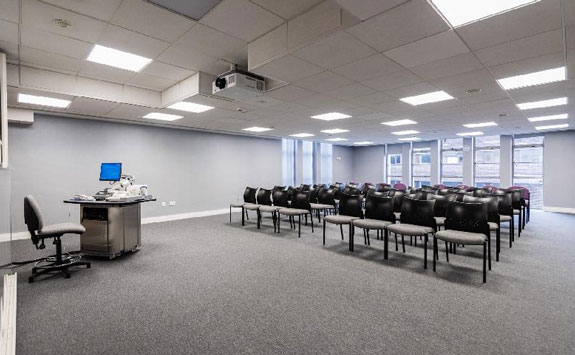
column 418, row 212
column 250, row 195
column 400, row 186
column 280, row 198
column 326, row 197
column 492, row 204
column 516, row 196
column 350, row 205
column 461, row 195
column 525, row 190
column 467, row 217
column 278, row 188
column 479, row 193
column 441, row 203
column 264, row 197
column 379, row 207
column 367, row 188
column 397, row 199
column 337, row 193
column 290, row 192
column 443, row 192
column 33, row 217
column 504, row 202
column 383, row 187
column 314, row 194
column 351, row 190
column 301, row 200
column 305, row 187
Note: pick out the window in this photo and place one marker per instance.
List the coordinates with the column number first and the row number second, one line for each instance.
column 326, row 168
column 421, row 167
column 487, row 153
column 394, row 169
column 307, row 163
column 528, row 167
column 288, row 161
column 452, row 162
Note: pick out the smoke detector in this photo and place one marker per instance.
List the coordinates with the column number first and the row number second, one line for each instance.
column 62, row 23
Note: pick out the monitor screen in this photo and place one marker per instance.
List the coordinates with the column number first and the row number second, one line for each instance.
column 110, row 171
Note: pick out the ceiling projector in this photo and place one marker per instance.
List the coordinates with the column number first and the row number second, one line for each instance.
column 238, row 84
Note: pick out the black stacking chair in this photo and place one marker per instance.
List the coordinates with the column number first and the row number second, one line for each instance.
column 493, row 219
column 278, row 188
column 325, row 203
column 249, row 199
column 351, row 190
column 466, row 224
column 39, row 233
column 290, row 193
column 517, row 203
column 440, row 207
column 300, row 206
column 378, row 215
column 263, row 198
column 304, row 187
column 417, row 220
column 349, row 210
column 279, row 201
column 398, row 196
column 506, row 212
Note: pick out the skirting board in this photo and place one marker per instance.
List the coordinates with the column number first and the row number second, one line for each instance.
column 559, row 209
column 173, row 217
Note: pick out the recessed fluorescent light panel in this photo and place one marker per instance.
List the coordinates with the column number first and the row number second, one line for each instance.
column 336, row 139
column 162, row 116
column 190, row 107
column 331, row 116
column 118, row 59
column 409, row 139
column 532, row 79
column 398, row 123
column 431, row 97
column 302, row 135
column 562, row 116
column 403, row 133
column 478, row 125
column 543, row 104
column 553, row 126
column 470, row 134
column 463, row 12
column 43, row 101
column 257, row 129
column 363, row 143
column 335, row 131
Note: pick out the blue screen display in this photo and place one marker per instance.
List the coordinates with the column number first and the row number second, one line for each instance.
column 110, row 171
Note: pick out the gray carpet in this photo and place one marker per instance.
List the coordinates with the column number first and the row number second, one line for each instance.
column 204, row 286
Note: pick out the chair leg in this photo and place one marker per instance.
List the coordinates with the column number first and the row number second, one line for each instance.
column 279, row 219
column 247, row 215
column 259, row 218
column 424, row 252
column 403, row 243
column 341, row 230
column 446, row 252
column 364, row 236
column 243, row 217
column 324, row 231
column 385, row 246
column 519, row 227
column 299, row 226
column 484, row 262
column 368, row 241
column 230, row 214
column 489, row 250
column 274, row 220
column 434, row 252
column 311, row 219
column 306, row 219
column 497, row 242
column 396, row 247
column 511, row 233
column 351, row 232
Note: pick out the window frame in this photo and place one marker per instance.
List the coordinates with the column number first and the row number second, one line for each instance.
column 426, row 178
column 477, row 149
column 392, row 179
column 441, row 163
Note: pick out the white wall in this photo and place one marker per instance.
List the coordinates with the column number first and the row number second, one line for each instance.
column 368, row 164
column 559, row 171
column 342, row 163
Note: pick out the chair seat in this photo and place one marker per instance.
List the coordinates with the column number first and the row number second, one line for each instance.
column 516, row 211
column 440, row 221
column 237, row 205
column 293, row 211
column 320, row 206
column 62, row 228
column 339, row 219
column 454, row 236
column 371, row 223
column 504, row 218
column 264, row 208
column 409, row 229
column 493, row 226
column 251, row 206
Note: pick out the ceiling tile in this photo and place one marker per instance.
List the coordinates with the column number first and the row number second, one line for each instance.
column 364, row 9
column 242, row 19
column 526, row 21
column 338, row 49
column 372, row 99
column 86, row 106
column 9, row 38
column 350, row 91
column 288, row 68
column 105, row 72
column 167, row 71
column 41, row 16
column 151, row 82
column 427, row 50
column 151, row 20
column 287, row 9
column 209, row 41
column 185, row 57
column 125, row 110
column 409, row 22
column 102, row 10
column 54, row 43
column 42, row 59
column 10, row 10
column 392, row 81
column 324, row 81
column 544, row 62
column 132, row 42
column 458, row 64
column 477, row 79
column 367, row 68
column 290, row 93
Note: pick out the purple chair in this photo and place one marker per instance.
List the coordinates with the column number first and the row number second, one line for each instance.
column 400, row 186
column 439, row 186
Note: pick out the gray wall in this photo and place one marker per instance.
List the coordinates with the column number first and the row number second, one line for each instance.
column 56, row 158
column 368, row 164
column 342, row 163
column 5, row 256
column 559, row 170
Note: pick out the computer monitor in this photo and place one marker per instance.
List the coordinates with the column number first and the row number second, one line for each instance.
column 110, row 171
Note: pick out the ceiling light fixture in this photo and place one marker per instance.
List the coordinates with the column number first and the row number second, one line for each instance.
column 543, row 104
column 43, row 101
column 331, row 116
column 162, row 116
column 363, row 143
column 257, row 129
column 478, row 125
column 553, row 126
column 117, row 59
column 562, row 116
column 532, row 79
column 399, row 123
column 428, row 98
column 190, row 107
column 470, row 134
column 403, row 133
column 336, row 139
column 409, row 139
column 302, row 135
column 460, row 13
column 335, row 131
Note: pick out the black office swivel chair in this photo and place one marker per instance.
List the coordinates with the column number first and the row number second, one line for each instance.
column 39, row 232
